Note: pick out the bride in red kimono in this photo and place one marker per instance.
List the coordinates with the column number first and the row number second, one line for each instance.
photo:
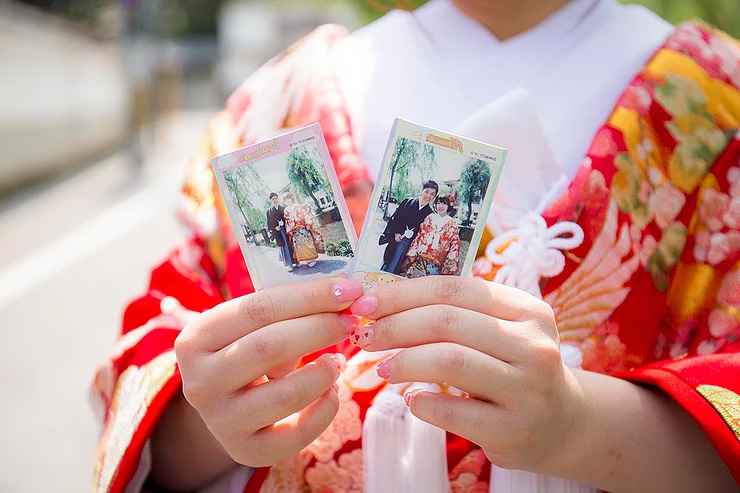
column 436, row 248
column 301, row 231
column 614, row 246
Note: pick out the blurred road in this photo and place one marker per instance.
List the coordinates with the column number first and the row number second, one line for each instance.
column 71, row 255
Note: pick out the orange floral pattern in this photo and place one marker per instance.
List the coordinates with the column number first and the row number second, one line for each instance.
column 438, row 241
column 657, row 198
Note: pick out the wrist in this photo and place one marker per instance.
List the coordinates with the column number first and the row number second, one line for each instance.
column 573, row 443
column 185, row 455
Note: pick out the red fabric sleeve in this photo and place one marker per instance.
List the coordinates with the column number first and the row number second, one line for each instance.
column 133, row 387
column 708, row 388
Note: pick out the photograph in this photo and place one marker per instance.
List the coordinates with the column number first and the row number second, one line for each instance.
column 286, row 209
column 429, row 205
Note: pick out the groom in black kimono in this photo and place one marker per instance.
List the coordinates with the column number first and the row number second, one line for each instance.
column 276, row 225
column 403, row 226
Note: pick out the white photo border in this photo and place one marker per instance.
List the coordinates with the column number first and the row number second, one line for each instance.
column 266, row 148
column 494, row 156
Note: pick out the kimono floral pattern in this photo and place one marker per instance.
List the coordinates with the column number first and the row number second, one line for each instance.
column 300, row 217
column 438, row 243
column 464, row 477
column 297, row 217
column 303, row 232
column 669, row 157
column 657, row 197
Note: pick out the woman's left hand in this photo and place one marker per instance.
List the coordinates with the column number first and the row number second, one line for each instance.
column 498, row 344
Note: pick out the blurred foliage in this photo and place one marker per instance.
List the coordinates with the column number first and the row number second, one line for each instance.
column 167, row 18
column 177, row 18
column 372, row 9
column 723, row 14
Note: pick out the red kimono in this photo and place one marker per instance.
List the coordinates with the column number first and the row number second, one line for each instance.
column 651, row 294
column 438, row 242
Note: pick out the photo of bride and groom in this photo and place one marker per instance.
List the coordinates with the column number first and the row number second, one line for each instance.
column 429, row 205
column 422, row 237
column 294, row 232
column 291, row 223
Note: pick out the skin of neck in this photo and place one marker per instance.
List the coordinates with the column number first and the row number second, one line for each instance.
column 507, row 18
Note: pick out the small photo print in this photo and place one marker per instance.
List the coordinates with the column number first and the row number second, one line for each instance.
column 429, row 206
column 286, row 208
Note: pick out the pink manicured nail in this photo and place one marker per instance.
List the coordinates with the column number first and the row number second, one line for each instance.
column 338, row 360
column 365, row 305
column 347, row 289
column 384, row 369
column 362, row 336
column 349, row 322
column 408, row 397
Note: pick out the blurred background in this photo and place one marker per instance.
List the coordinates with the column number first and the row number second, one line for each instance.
column 102, row 103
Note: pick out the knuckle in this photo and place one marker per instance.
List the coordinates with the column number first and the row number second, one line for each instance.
column 287, row 395
column 329, row 372
column 449, row 318
column 541, row 309
column 445, row 415
column 195, row 393
column 478, row 422
column 448, row 288
column 383, row 330
column 547, row 311
column 444, row 321
column 258, row 307
column 452, row 359
column 268, row 349
column 317, row 294
column 545, row 353
column 250, row 454
column 185, row 345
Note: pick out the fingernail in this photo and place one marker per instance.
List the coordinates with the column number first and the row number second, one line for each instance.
column 347, row 289
column 384, row 369
column 408, row 397
column 364, row 305
column 362, row 336
column 349, row 322
column 338, row 360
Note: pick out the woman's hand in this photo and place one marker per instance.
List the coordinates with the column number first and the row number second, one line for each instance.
column 498, row 344
column 226, row 352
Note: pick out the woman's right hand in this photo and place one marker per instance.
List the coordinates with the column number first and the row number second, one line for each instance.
column 226, row 352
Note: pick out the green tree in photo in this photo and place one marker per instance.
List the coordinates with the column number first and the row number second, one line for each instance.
column 238, row 194
column 238, row 183
column 257, row 219
column 473, row 184
column 404, row 156
column 258, row 192
column 305, row 174
column 428, row 163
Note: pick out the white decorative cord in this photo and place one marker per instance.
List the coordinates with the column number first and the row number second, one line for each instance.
column 531, row 250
